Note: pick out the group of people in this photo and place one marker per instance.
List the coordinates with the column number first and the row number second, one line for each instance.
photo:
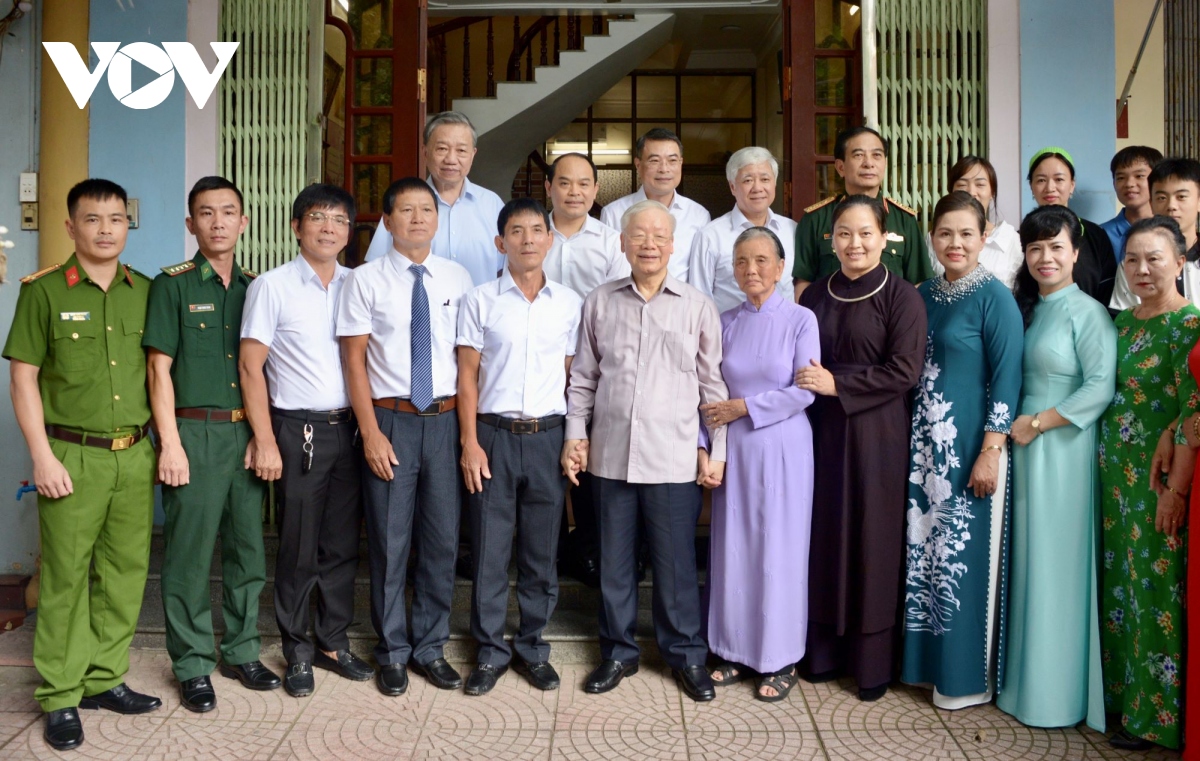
column 995, row 470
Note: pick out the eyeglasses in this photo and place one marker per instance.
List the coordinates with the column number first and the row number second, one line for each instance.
column 320, row 218
column 640, row 239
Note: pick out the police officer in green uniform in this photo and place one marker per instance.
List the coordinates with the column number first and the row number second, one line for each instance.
column 860, row 157
column 79, row 393
column 193, row 331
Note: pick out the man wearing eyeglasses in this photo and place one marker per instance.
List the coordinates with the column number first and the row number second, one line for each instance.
column 658, row 159
column 299, row 409
column 193, row 328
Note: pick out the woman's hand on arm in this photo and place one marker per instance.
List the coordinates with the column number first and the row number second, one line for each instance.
column 718, row 414
column 985, row 475
column 816, row 379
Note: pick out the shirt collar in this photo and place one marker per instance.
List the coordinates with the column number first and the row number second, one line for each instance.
column 675, row 204
column 589, row 227
column 738, row 220
column 205, row 268
column 468, row 190
column 308, row 273
column 402, row 263
column 506, row 283
column 74, row 273
column 773, row 302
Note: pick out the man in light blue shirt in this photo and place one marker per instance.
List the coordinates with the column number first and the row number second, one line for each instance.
column 1130, row 169
column 467, row 212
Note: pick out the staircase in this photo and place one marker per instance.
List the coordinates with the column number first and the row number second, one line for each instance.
column 572, row 631
column 524, row 115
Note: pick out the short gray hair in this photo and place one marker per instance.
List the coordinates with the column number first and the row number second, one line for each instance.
column 448, row 117
column 642, row 206
column 750, row 155
column 755, row 233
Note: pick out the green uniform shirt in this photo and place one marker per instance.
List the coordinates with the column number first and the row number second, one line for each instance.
column 87, row 343
column 197, row 321
column 904, row 255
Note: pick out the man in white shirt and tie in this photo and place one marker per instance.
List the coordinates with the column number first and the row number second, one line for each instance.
column 466, row 212
column 752, row 173
column 398, row 322
column 515, row 342
column 304, row 428
column 658, row 159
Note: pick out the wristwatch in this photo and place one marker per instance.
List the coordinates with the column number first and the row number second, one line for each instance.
column 1037, row 423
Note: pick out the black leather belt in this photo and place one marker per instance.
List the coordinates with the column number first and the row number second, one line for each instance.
column 332, row 417
column 514, row 425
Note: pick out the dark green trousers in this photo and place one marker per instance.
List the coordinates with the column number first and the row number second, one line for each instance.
column 98, row 533
column 224, row 498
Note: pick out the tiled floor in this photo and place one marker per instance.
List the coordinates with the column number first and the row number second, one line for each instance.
column 645, row 718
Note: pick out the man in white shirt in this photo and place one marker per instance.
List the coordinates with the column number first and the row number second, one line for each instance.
column 300, row 413
column 752, row 173
column 658, row 159
column 515, row 342
column 398, row 322
column 466, row 212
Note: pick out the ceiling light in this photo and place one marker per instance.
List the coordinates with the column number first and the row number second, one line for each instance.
column 731, row 28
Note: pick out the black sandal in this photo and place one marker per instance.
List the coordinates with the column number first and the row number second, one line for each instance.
column 781, row 683
column 731, row 673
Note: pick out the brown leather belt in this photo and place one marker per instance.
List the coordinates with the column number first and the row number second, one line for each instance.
column 514, row 425
column 211, row 416
column 396, row 404
column 100, row 440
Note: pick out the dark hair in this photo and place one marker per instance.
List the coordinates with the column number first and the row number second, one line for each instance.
column 755, row 233
column 968, row 163
column 322, row 196
column 658, row 133
column 1050, row 155
column 213, row 182
column 95, row 189
column 874, row 204
column 1127, row 157
column 554, row 166
column 1163, row 225
column 519, row 206
column 406, row 185
column 959, row 200
column 1185, row 170
column 846, row 135
column 1043, row 223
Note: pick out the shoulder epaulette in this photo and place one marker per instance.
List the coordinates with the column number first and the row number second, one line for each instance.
column 901, row 206
column 41, row 273
column 819, row 204
column 142, row 275
column 179, row 269
column 250, row 274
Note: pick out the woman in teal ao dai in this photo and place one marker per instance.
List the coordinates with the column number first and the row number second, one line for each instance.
column 957, row 492
column 1052, row 636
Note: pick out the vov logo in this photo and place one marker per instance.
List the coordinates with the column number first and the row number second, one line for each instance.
column 118, row 61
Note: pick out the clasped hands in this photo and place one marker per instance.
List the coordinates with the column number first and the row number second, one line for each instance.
column 574, row 460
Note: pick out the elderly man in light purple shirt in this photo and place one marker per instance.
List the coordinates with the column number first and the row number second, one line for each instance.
column 649, row 354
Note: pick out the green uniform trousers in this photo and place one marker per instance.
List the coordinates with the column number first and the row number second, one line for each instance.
column 221, row 497
column 100, row 533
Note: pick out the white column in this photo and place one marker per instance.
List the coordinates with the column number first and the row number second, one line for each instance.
column 1004, row 104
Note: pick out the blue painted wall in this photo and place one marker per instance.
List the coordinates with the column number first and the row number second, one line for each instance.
column 143, row 150
column 1068, row 79
column 20, row 76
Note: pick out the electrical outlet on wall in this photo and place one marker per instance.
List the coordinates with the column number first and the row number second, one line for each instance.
column 28, row 187
column 29, row 216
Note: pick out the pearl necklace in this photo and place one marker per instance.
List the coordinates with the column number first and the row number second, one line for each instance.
column 829, row 288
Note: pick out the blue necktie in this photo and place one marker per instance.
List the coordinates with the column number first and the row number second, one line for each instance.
column 421, row 376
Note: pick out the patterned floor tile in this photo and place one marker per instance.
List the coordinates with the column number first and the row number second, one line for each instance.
column 975, row 717
column 836, row 704
column 644, row 703
column 1104, row 750
column 13, row 724
column 737, row 712
column 349, row 738
column 201, row 737
column 891, row 745
column 657, row 745
column 1021, row 743
column 17, row 684
column 774, row 745
column 106, row 736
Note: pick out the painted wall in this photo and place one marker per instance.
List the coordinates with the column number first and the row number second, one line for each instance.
column 1004, row 105
column 144, row 150
column 1067, row 85
column 20, row 71
column 1147, row 102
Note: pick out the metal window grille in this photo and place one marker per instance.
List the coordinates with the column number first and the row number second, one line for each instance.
column 264, row 100
column 932, row 65
column 1181, row 36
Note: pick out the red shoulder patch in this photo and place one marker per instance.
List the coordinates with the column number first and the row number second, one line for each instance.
column 72, row 275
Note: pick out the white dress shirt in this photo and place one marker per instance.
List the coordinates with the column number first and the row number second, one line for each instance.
column 290, row 312
column 1001, row 255
column 466, row 232
column 524, row 346
column 378, row 302
column 711, row 268
column 689, row 218
column 586, row 259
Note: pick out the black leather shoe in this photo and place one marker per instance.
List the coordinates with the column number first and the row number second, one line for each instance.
column 696, row 683
column 441, row 674
column 253, row 675
column 582, row 568
column 1126, row 741
column 63, row 730
column 871, row 694
column 298, row 681
column 197, row 695
column 541, row 675
column 608, row 675
column 347, row 665
column 483, row 678
column 392, row 680
column 121, row 699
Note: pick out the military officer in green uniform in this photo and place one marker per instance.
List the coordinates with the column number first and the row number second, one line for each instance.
column 860, row 157
column 193, row 330
column 79, row 393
